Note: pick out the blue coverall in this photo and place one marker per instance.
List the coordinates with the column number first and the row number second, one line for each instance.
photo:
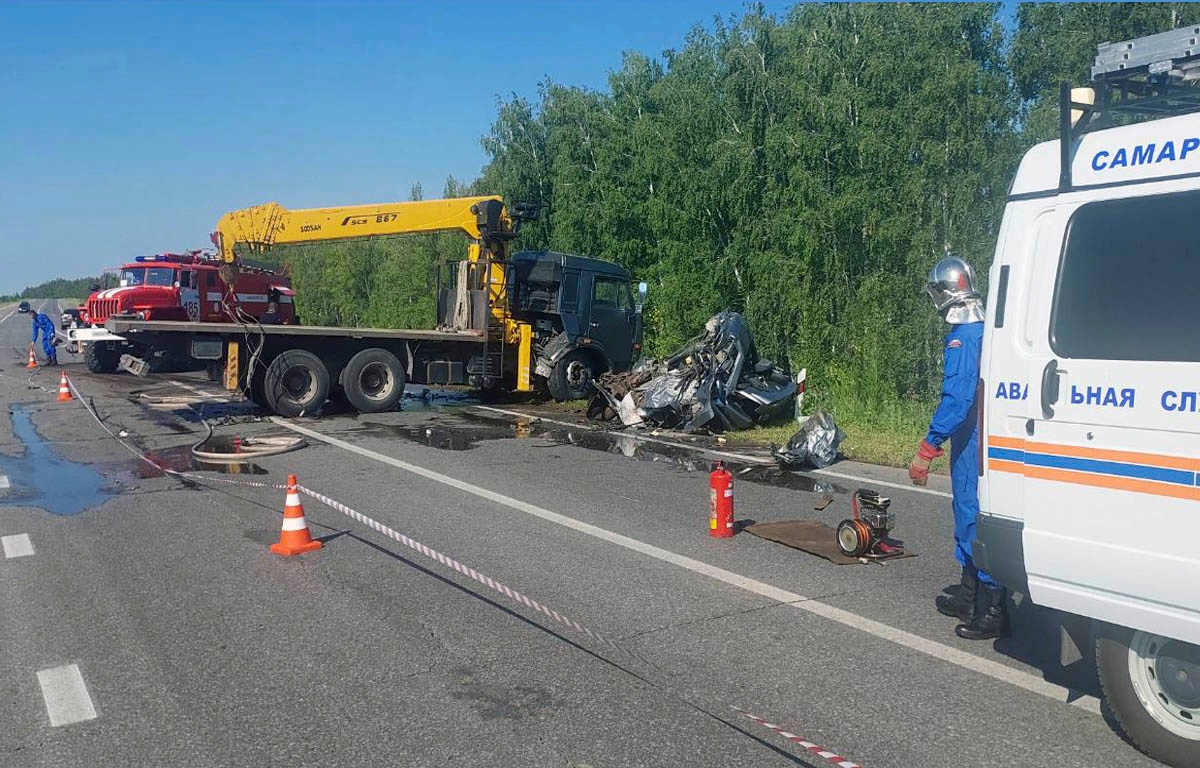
column 46, row 326
column 956, row 420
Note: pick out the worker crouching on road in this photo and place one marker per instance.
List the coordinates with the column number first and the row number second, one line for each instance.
column 44, row 324
column 981, row 604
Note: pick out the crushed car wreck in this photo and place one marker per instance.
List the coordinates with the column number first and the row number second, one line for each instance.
column 715, row 382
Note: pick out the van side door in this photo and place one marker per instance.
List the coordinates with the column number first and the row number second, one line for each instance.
column 1112, row 446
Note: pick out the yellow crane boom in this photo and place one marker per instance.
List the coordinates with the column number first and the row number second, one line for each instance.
column 256, row 229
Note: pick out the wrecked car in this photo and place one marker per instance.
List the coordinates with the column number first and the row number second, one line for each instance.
column 714, row 383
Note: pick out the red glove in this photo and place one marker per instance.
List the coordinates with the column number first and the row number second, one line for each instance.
column 918, row 470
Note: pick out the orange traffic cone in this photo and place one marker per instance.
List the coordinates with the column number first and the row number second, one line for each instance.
column 32, row 359
column 294, row 538
column 64, row 389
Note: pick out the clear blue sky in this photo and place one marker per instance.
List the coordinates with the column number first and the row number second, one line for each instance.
column 128, row 128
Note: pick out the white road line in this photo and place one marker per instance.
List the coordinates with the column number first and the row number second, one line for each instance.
column 196, row 390
column 742, row 457
column 992, row 669
column 66, row 695
column 873, row 481
column 17, row 545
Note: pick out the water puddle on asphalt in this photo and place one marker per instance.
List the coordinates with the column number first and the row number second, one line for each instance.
column 42, row 478
column 465, row 431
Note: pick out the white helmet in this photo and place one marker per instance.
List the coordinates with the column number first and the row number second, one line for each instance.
column 951, row 282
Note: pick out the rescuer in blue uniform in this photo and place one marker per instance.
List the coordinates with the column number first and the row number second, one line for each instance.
column 46, row 326
column 981, row 603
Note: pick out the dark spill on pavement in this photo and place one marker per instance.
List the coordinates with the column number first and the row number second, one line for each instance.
column 42, row 478
column 466, row 430
column 181, row 459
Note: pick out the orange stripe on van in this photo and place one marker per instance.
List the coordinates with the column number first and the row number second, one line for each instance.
column 1186, row 463
column 1133, row 485
column 999, row 465
column 1129, row 457
column 1007, row 442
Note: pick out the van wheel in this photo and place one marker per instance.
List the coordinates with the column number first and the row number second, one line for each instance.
column 571, row 377
column 296, row 383
column 373, row 381
column 101, row 357
column 1152, row 684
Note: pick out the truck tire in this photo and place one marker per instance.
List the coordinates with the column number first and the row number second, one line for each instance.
column 296, row 383
column 571, row 377
column 101, row 357
column 1152, row 684
column 373, row 381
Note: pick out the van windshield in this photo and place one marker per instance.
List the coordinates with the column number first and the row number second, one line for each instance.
column 1127, row 281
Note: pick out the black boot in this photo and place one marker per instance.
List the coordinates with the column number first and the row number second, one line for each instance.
column 960, row 606
column 992, row 620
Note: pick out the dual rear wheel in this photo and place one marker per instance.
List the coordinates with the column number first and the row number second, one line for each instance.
column 297, row 383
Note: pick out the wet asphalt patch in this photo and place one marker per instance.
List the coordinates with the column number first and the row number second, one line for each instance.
column 42, row 478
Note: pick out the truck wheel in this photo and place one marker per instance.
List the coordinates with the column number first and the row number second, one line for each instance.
column 101, row 357
column 1152, row 684
column 373, row 381
column 296, row 383
column 571, row 376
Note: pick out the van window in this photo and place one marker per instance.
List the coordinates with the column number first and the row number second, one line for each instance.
column 1127, row 281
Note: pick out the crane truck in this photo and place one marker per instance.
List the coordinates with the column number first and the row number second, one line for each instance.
column 512, row 321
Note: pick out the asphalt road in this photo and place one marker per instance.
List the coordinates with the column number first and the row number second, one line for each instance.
column 143, row 620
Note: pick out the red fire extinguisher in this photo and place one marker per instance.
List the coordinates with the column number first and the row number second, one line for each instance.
column 720, row 498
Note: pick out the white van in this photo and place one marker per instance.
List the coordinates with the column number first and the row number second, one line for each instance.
column 1090, row 418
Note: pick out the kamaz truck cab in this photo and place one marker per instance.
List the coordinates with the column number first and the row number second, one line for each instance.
column 583, row 313
column 1090, row 387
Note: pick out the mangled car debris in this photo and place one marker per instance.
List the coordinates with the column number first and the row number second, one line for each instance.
column 815, row 444
column 715, row 382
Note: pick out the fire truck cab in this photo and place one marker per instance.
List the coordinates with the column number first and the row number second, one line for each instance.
column 182, row 287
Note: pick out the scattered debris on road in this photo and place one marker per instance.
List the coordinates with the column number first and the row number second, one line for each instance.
column 714, row 383
column 815, row 444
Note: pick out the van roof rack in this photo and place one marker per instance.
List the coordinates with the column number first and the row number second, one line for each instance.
column 1146, row 77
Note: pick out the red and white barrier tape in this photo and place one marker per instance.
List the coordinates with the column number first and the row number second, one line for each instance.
column 465, row 570
column 819, row 751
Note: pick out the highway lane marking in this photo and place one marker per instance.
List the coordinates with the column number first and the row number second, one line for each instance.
column 17, row 545
column 936, row 650
column 742, row 457
column 196, row 390
column 66, row 695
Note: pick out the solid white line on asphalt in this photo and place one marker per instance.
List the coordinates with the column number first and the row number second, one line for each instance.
column 992, row 669
column 742, row 457
column 17, row 545
column 195, row 390
column 10, row 314
column 873, row 481
column 66, row 695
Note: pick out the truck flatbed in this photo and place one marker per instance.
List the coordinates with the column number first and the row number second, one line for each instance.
column 132, row 326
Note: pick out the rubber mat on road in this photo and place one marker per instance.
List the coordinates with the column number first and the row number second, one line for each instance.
column 811, row 536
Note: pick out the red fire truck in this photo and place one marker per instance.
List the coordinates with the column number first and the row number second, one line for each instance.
column 177, row 286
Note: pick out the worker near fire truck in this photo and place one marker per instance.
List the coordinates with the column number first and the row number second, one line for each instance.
column 981, row 603
column 43, row 323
